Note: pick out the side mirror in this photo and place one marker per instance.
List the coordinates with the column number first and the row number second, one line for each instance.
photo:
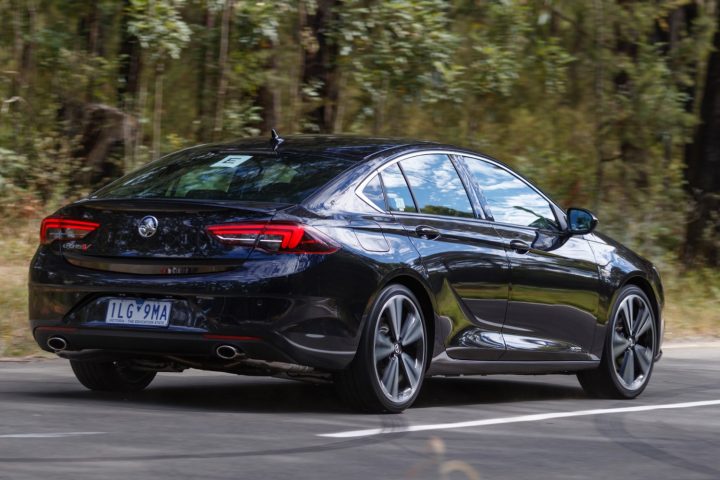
column 580, row 221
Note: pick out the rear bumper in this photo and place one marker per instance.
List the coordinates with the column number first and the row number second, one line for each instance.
column 293, row 313
column 271, row 348
column 311, row 331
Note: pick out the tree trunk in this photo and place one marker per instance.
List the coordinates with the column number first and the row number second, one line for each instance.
column 320, row 65
column 17, row 83
column 130, row 66
column 205, row 65
column 633, row 151
column 599, row 90
column 295, row 118
column 267, row 97
column 632, row 155
column 143, row 80
column 18, row 48
column 157, row 109
column 28, row 54
column 222, row 68
column 90, row 29
column 131, row 91
column 25, row 76
column 379, row 107
column 702, row 241
column 679, row 26
column 340, row 102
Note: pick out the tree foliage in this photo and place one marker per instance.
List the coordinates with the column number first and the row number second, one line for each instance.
column 159, row 27
column 595, row 100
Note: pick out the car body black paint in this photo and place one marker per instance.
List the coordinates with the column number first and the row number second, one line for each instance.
column 495, row 308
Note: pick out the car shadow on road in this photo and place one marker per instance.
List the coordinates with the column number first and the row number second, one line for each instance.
column 440, row 392
column 221, row 394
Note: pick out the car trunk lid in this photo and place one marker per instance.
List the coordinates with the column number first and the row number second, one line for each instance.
column 168, row 236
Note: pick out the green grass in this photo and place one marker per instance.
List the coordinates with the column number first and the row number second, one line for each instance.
column 17, row 245
column 692, row 304
column 692, row 308
column 15, row 338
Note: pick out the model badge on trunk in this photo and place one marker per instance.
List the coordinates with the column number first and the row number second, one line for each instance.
column 148, row 226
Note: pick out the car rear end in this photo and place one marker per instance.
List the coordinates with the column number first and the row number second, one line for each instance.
column 203, row 256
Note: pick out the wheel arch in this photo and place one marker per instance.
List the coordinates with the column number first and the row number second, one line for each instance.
column 426, row 299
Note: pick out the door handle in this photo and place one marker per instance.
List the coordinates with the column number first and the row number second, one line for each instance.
column 428, row 233
column 519, row 246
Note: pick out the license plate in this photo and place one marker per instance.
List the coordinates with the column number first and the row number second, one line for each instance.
column 136, row 311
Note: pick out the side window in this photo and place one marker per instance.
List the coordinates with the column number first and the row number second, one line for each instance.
column 436, row 186
column 510, row 200
column 373, row 192
column 398, row 193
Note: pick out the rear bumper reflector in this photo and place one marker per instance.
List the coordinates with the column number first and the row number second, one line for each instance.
column 231, row 338
column 146, row 267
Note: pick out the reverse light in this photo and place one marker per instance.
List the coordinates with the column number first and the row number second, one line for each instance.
column 275, row 237
column 54, row 228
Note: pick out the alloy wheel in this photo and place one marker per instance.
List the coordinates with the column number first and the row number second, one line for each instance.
column 399, row 348
column 633, row 342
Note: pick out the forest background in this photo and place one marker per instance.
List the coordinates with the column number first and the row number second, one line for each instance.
column 613, row 105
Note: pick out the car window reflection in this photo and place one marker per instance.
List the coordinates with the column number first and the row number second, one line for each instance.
column 373, row 192
column 285, row 178
column 397, row 191
column 509, row 199
column 436, row 186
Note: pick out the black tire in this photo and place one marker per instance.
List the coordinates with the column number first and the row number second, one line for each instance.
column 360, row 385
column 110, row 376
column 607, row 380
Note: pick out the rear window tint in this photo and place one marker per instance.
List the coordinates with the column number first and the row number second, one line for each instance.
column 284, row 178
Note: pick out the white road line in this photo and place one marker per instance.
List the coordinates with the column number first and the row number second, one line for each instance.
column 49, row 435
column 523, row 418
column 689, row 346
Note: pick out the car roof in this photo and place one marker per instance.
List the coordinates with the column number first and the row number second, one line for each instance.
column 350, row 147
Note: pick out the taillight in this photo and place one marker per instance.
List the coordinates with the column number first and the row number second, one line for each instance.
column 275, row 237
column 54, row 228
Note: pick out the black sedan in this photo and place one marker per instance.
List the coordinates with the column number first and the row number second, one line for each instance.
column 370, row 262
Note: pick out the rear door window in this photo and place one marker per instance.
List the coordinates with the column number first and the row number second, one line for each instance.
column 436, row 186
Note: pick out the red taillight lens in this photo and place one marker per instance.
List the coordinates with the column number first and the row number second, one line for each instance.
column 54, row 228
column 275, row 237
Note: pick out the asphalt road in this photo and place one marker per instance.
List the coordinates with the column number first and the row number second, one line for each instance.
column 205, row 426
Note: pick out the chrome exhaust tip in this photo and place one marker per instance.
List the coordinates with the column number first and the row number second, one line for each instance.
column 57, row 344
column 227, row 352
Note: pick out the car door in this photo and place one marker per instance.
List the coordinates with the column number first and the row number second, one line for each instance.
column 463, row 255
column 554, row 278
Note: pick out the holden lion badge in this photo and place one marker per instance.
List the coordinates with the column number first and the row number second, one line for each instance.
column 148, row 226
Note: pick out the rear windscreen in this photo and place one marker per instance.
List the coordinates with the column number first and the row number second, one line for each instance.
column 282, row 177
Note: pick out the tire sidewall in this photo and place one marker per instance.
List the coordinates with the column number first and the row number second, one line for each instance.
column 608, row 353
column 368, row 344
